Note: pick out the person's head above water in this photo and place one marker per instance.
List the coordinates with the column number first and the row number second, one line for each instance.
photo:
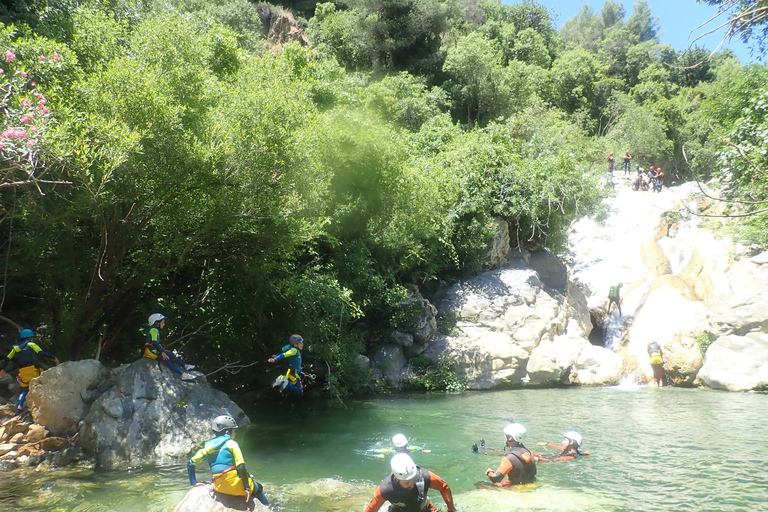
column 572, row 437
column 400, row 442
column 514, row 433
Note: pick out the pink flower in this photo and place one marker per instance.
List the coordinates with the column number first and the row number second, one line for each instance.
column 26, row 119
column 33, row 129
column 31, row 84
column 9, row 56
column 43, row 109
column 22, row 73
column 42, row 57
column 26, row 102
column 2, row 146
column 2, row 71
column 20, row 133
column 55, row 56
column 31, row 142
column 38, row 95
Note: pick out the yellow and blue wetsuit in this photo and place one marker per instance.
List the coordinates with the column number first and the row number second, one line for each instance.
column 293, row 355
column 230, row 476
column 23, row 355
column 153, row 350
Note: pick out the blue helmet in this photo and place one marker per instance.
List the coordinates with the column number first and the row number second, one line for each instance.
column 26, row 333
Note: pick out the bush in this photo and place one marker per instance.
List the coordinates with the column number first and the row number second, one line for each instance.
column 433, row 376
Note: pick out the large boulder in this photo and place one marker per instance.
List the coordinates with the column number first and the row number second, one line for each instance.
column 389, row 361
column 504, row 315
column 61, row 396
column 499, row 248
column 736, row 363
column 742, row 305
column 199, row 499
column 573, row 361
column 150, row 414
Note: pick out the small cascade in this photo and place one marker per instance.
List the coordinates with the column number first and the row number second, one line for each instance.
column 679, row 248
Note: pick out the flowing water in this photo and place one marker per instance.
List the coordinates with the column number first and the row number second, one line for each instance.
column 653, row 449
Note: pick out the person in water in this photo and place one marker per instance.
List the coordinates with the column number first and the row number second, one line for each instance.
column 233, row 486
column 518, row 464
column 405, row 488
column 400, row 445
column 24, row 354
column 656, row 356
column 154, row 350
column 572, row 441
column 291, row 381
column 614, row 297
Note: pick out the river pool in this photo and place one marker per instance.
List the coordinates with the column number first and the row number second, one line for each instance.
column 652, row 450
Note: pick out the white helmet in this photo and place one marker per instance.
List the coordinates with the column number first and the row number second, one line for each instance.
column 224, row 422
column 515, row 430
column 399, row 441
column 574, row 436
column 154, row 318
column 403, row 466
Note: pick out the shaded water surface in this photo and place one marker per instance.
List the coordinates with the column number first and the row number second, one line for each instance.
column 652, row 450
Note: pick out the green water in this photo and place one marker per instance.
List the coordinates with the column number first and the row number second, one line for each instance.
column 652, row 450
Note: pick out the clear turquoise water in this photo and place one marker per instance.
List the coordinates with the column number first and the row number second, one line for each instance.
column 652, row 450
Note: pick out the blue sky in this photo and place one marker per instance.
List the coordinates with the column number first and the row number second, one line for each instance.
column 676, row 20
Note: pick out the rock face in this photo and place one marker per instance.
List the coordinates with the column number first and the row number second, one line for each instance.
column 148, row 413
column 514, row 328
column 62, row 395
column 737, row 363
column 199, row 499
column 23, row 443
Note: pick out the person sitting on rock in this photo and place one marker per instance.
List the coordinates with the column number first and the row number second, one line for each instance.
column 518, row 464
column 572, row 441
column 24, row 355
column 154, row 350
column 614, row 297
column 291, row 381
column 405, row 488
column 657, row 362
column 233, row 486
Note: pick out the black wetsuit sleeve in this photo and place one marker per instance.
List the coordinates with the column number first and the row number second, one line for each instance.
column 242, row 472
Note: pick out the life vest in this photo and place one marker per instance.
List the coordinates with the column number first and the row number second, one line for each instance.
column 613, row 293
column 656, row 358
column 294, row 361
column 520, row 455
column 150, row 349
column 25, row 353
column 407, row 500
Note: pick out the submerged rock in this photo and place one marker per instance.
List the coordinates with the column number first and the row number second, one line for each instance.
column 200, row 499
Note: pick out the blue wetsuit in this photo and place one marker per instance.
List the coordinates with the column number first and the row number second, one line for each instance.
column 293, row 355
column 153, row 350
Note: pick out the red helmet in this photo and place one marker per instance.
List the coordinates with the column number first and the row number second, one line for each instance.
column 658, row 169
column 651, row 167
column 610, row 154
column 627, row 151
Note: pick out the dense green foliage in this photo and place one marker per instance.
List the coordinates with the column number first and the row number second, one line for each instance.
column 156, row 156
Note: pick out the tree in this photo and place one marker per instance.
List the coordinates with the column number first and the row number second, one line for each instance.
column 746, row 20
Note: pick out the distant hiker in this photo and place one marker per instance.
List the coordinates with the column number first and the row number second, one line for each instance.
column 614, row 297
column 572, row 441
column 610, row 163
column 291, row 381
column 233, row 486
column 154, row 350
column 518, row 464
column 405, row 488
column 24, row 355
column 657, row 362
column 658, row 181
column 627, row 161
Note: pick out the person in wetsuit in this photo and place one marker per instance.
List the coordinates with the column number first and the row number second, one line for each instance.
column 614, row 297
column 24, row 355
column 233, row 486
column 518, row 464
column 627, row 162
column 656, row 356
column 572, row 441
column 406, row 488
column 291, row 381
column 399, row 445
column 154, row 350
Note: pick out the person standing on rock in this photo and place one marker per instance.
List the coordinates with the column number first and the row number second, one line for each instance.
column 518, row 464
column 627, row 162
column 657, row 363
column 154, row 350
column 614, row 297
column 405, row 488
column 24, row 355
column 291, row 381
column 233, row 486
